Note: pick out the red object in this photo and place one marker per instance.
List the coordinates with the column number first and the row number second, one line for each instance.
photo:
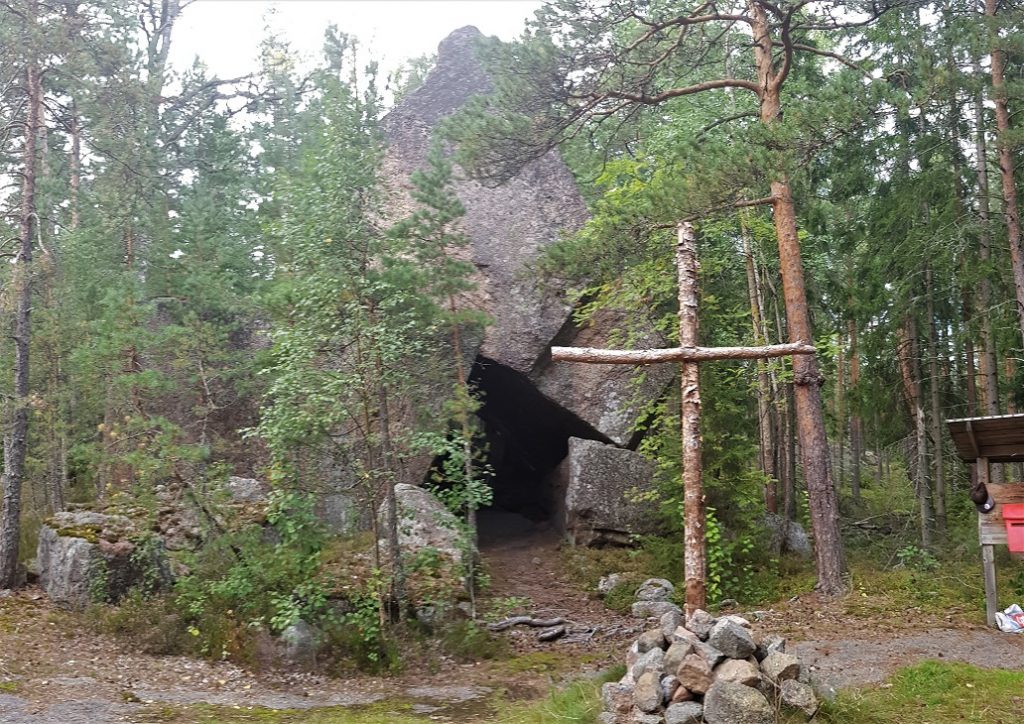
column 1013, row 516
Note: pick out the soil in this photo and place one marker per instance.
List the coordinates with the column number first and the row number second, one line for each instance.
column 55, row 670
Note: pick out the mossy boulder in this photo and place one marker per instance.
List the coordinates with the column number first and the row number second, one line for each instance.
column 85, row 556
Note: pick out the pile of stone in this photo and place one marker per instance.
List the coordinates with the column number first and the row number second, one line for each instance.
column 706, row 669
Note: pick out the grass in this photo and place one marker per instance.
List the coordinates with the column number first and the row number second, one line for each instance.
column 934, row 693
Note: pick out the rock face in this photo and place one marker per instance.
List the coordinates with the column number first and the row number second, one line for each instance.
column 608, row 493
column 509, row 227
column 87, row 556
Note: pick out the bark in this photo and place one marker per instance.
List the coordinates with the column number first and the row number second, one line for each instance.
column 938, row 473
column 75, row 167
column 840, row 410
column 810, row 419
column 907, row 353
column 16, row 442
column 856, row 435
column 594, row 355
column 1006, row 175
column 970, row 370
column 695, row 551
column 987, row 363
column 766, row 432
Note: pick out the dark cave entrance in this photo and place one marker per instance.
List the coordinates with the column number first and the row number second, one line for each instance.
column 527, row 437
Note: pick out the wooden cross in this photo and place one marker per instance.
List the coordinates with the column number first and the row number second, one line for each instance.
column 689, row 355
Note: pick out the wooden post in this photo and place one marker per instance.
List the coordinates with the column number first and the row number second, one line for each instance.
column 695, row 549
column 988, row 560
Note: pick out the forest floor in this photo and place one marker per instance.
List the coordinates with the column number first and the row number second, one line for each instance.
column 55, row 669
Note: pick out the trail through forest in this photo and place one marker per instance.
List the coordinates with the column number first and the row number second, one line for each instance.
column 54, row 669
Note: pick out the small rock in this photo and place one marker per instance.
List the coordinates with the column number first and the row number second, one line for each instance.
column 676, row 653
column 653, row 639
column 738, row 672
column 607, row 583
column 709, row 653
column 799, row 696
column 653, row 661
column 301, row 642
column 245, row 490
column 779, row 667
column 607, row 718
column 737, row 620
column 655, row 589
column 684, row 634
column 729, row 703
column 694, row 673
column 732, row 639
column 637, row 716
column 616, row 698
column 728, row 603
column 686, row 712
column 653, row 609
column 670, row 621
column 701, row 623
column 669, row 684
column 647, row 692
column 536, row 561
column 770, row 644
column 681, row 694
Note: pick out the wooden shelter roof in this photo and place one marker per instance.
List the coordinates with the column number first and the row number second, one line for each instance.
column 1000, row 438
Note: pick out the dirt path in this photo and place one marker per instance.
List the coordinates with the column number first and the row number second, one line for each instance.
column 527, row 570
column 54, row 670
column 849, row 651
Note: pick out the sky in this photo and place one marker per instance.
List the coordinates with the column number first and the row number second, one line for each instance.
column 226, row 34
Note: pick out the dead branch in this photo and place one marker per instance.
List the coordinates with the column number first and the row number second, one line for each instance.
column 676, row 354
column 525, row 621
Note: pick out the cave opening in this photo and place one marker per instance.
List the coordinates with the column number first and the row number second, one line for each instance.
column 527, row 437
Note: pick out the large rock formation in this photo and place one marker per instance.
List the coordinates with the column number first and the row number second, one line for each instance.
column 509, row 227
column 532, row 406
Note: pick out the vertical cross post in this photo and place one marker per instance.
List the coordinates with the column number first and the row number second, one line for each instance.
column 689, row 355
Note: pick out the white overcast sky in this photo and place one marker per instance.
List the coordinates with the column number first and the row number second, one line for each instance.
column 226, row 34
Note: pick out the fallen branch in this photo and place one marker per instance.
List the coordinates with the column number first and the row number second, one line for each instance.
column 525, row 621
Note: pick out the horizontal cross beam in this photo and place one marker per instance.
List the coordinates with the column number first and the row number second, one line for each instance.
column 675, row 354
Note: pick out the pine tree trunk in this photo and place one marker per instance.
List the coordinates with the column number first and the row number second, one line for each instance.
column 810, row 418
column 840, row 411
column 16, row 443
column 1010, row 207
column 938, row 472
column 695, row 553
column 766, row 448
column 907, row 352
column 856, row 436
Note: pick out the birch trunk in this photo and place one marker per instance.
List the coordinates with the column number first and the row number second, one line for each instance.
column 695, row 553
